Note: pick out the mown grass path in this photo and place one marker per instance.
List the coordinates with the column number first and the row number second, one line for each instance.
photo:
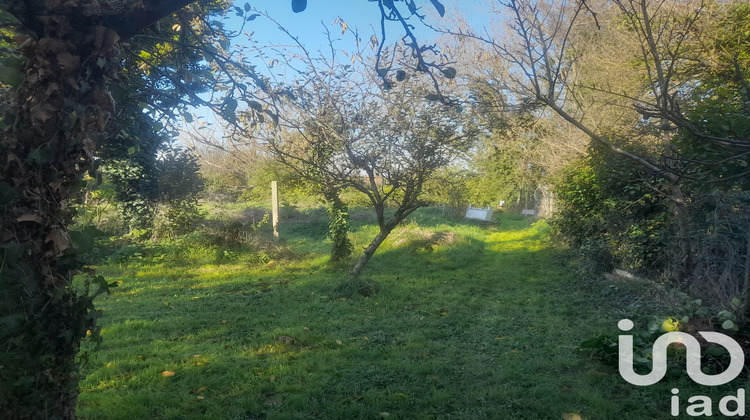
column 472, row 322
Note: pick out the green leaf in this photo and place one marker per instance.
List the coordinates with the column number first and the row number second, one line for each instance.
column 230, row 105
column 247, row 7
column 10, row 71
column 299, row 5
column 84, row 239
column 256, row 106
column 38, row 156
column 434, row 97
column 11, row 253
column 729, row 325
column 715, row 351
column 449, row 72
column 400, row 75
column 439, row 7
column 736, row 303
column 253, row 16
column 273, row 116
column 7, row 193
column 188, row 117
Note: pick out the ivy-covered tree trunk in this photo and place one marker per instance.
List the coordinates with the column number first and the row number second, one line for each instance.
column 338, row 226
column 61, row 111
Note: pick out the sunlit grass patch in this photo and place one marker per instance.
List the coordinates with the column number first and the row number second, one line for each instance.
column 471, row 321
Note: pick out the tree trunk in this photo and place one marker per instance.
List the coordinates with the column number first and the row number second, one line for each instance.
column 60, row 114
column 369, row 251
column 682, row 215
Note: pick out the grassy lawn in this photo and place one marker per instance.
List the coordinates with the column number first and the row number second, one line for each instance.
column 471, row 322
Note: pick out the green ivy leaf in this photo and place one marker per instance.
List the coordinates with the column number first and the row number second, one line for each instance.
column 7, row 193
column 10, row 71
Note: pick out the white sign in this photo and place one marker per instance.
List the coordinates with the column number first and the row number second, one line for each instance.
column 479, row 214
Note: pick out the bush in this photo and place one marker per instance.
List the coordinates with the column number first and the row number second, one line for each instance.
column 180, row 184
column 612, row 217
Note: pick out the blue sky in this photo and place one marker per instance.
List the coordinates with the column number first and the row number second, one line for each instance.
column 364, row 15
column 361, row 14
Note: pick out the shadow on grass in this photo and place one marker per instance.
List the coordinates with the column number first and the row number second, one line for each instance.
column 465, row 326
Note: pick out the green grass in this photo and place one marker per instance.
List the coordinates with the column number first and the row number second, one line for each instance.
column 472, row 321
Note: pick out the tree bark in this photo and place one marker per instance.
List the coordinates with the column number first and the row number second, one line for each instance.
column 368, row 253
column 61, row 112
column 682, row 216
column 44, row 155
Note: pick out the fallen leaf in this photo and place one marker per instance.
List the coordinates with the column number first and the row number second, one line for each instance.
column 199, row 397
column 201, row 389
column 59, row 239
column 571, row 416
column 339, row 342
column 167, row 373
column 68, row 61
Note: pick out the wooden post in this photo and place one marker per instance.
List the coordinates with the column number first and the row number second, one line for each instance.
column 275, row 209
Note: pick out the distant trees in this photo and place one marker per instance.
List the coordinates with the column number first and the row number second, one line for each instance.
column 661, row 86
